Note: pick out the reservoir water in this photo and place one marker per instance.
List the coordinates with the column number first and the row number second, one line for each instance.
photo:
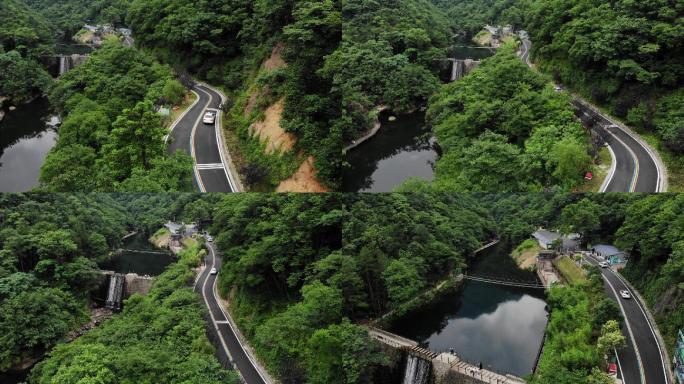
column 139, row 256
column 400, row 150
column 26, row 136
column 502, row 327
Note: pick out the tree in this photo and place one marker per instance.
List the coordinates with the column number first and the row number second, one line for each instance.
column 173, row 92
column 35, row 319
column 402, row 280
column 197, row 211
column 341, row 353
column 136, row 139
column 21, row 79
column 571, row 160
column 583, row 217
column 611, row 338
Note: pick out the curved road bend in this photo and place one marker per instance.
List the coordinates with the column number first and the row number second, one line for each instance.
column 201, row 141
column 643, row 349
column 230, row 351
column 636, row 170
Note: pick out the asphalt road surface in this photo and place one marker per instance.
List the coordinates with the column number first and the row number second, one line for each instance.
column 229, row 350
column 201, row 141
column 642, row 352
column 635, row 168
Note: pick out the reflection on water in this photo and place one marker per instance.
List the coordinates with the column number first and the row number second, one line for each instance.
column 141, row 257
column 25, row 140
column 400, row 150
column 500, row 326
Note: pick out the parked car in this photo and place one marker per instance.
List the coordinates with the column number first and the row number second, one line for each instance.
column 604, row 264
column 213, row 271
column 625, row 294
column 209, row 238
column 210, row 116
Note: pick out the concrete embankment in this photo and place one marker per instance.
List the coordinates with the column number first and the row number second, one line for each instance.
column 447, row 368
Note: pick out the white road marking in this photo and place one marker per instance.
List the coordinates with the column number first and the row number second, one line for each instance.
column 211, row 314
column 611, row 173
column 210, row 166
column 202, row 188
column 629, row 328
column 249, row 357
column 178, row 120
column 650, row 326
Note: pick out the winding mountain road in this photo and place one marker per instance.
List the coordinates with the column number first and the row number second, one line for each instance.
column 636, row 166
column 204, row 143
column 642, row 360
column 230, row 351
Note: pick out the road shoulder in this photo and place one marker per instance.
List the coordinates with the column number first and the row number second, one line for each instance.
column 225, row 308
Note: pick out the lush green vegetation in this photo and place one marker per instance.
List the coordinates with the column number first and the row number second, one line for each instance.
column 48, row 248
column 627, row 56
column 577, row 336
column 386, row 58
column 300, row 271
column 24, row 38
column 68, row 16
column 225, row 42
column 503, row 128
column 653, row 233
column 157, row 338
column 112, row 137
column 646, row 226
column 467, row 17
column 49, row 245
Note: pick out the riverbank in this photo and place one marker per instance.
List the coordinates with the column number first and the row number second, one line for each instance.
column 525, row 254
column 372, row 132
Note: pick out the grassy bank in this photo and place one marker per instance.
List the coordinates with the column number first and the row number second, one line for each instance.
column 569, row 270
column 525, row 254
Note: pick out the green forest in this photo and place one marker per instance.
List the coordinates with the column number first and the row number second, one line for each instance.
column 226, row 42
column 504, row 128
column 111, row 130
column 304, row 273
column 49, row 247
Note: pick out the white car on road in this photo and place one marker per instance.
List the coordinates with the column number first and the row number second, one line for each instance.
column 210, row 116
column 625, row 294
column 604, row 264
column 213, row 271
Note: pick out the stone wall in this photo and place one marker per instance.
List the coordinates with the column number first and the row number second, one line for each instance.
column 137, row 284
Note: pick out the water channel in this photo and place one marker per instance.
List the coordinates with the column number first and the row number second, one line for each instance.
column 402, row 149
column 502, row 327
column 139, row 256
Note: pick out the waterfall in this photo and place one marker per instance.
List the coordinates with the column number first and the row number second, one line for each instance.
column 417, row 370
column 115, row 294
column 64, row 64
column 68, row 62
column 457, row 70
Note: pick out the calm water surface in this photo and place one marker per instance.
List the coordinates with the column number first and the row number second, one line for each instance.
column 25, row 140
column 500, row 326
column 138, row 260
column 400, row 150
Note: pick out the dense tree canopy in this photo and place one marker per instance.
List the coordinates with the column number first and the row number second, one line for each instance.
column 503, row 128
column 24, row 38
column 112, row 137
